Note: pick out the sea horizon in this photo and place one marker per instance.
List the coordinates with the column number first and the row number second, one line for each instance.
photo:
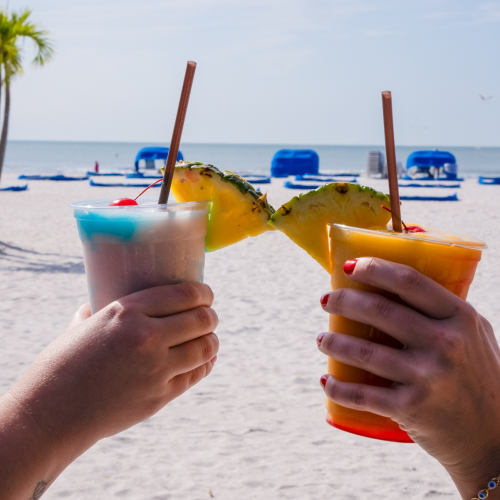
column 35, row 156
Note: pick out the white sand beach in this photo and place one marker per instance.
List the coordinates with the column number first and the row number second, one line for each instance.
column 254, row 429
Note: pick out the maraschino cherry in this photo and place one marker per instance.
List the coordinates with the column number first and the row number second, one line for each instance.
column 408, row 229
column 121, row 202
column 415, row 229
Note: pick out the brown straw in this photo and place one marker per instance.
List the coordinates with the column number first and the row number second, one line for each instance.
column 392, row 170
column 177, row 133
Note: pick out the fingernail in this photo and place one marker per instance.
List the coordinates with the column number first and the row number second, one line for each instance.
column 323, row 380
column 213, row 360
column 324, row 299
column 319, row 338
column 349, row 266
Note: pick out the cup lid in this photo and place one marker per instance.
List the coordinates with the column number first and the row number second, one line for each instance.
column 430, row 235
column 145, row 204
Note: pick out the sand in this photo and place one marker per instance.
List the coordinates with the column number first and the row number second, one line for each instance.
column 254, row 429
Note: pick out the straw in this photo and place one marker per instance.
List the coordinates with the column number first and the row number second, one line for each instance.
column 177, row 133
column 392, row 170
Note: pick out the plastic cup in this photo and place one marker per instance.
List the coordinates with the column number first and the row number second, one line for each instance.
column 449, row 260
column 130, row 248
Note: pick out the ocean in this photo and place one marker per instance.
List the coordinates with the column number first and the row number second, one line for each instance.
column 31, row 157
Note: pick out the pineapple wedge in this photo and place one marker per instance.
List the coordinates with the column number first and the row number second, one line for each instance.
column 304, row 218
column 238, row 209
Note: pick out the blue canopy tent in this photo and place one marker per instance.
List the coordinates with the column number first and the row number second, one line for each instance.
column 294, row 162
column 421, row 162
column 149, row 155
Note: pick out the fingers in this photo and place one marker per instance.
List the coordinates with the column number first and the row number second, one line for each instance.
column 379, row 400
column 380, row 360
column 414, row 288
column 166, row 300
column 399, row 321
column 185, row 326
column 181, row 383
column 81, row 314
column 192, row 354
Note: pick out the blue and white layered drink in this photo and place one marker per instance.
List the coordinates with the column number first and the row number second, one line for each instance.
column 130, row 248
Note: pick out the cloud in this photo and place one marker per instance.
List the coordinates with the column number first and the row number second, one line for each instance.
column 489, row 12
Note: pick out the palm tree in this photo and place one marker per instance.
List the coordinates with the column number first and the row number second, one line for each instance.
column 12, row 29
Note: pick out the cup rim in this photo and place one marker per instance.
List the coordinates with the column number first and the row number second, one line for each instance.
column 172, row 206
column 393, row 234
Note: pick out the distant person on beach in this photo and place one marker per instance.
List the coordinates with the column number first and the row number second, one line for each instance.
column 106, row 373
column 446, row 393
column 96, row 167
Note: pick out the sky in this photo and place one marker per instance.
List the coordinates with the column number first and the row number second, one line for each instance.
column 269, row 71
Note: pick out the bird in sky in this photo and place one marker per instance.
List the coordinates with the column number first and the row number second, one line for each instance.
column 485, row 98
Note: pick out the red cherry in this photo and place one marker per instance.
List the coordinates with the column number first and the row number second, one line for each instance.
column 121, row 202
column 416, row 229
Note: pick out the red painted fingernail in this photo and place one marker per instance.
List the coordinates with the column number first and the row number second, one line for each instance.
column 213, row 360
column 349, row 266
column 323, row 380
column 319, row 338
column 324, row 299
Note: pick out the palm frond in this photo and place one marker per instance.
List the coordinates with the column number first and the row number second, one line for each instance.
column 15, row 26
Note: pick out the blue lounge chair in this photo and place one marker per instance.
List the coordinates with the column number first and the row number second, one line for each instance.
column 488, row 180
column 121, row 184
column 294, row 185
column 52, row 178
column 258, row 180
column 15, row 188
column 255, row 178
column 416, row 185
column 423, row 163
column 104, row 174
column 294, row 162
column 149, row 155
column 453, row 197
column 325, row 178
column 320, row 175
column 140, row 175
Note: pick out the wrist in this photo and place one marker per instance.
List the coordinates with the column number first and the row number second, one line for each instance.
column 473, row 473
column 29, row 458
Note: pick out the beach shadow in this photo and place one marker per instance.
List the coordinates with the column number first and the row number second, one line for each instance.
column 22, row 259
column 50, row 268
column 4, row 246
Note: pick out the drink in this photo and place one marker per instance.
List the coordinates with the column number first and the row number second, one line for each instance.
column 130, row 248
column 447, row 259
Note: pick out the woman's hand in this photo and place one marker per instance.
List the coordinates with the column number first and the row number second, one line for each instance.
column 106, row 373
column 446, row 391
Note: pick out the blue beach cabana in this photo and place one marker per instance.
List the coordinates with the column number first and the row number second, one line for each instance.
column 149, row 155
column 431, row 163
column 294, row 162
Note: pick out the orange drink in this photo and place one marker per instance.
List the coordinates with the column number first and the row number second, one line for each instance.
column 448, row 259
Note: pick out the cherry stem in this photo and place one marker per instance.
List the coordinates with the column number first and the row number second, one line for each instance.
column 140, row 194
column 390, row 211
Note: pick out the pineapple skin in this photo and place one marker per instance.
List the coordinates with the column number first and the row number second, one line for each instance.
column 237, row 211
column 305, row 217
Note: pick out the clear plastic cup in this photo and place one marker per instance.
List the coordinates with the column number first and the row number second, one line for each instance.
column 449, row 260
column 130, row 248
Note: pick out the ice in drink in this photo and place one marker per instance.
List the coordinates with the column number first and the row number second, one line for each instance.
column 130, row 248
column 448, row 259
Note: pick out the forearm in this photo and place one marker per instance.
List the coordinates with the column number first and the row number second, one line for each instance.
column 30, row 459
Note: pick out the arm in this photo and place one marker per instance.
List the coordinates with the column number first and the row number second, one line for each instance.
column 446, row 393
column 106, row 373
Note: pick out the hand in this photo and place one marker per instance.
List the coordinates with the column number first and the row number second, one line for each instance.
column 446, row 380
column 106, row 373
column 81, row 314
